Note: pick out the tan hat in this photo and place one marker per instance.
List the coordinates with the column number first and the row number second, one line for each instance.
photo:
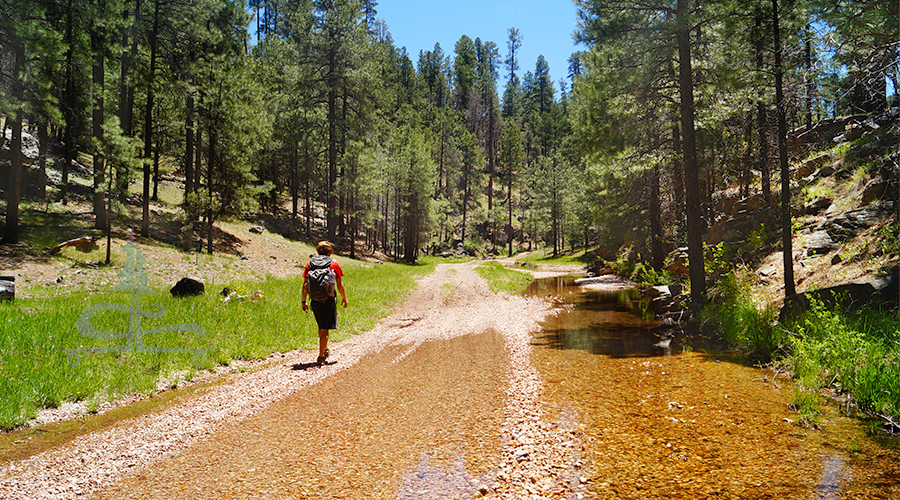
column 324, row 248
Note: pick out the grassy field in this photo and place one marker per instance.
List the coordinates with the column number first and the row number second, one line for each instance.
column 35, row 331
column 503, row 279
column 545, row 256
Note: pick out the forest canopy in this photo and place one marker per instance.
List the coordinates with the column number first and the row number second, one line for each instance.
column 321, row 120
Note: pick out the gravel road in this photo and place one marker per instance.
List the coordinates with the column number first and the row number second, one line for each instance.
column 438, row 401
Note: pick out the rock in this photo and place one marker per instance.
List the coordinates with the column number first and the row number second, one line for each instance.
column 78, row 168
column 678, row 261
column 187, row 287
column 836, row 259
column 30, row 146
column 873, row 191
column 659, row 291
column 256, row 229
column 825, row 171
column 817, row 205
column 819, row 243
column 811, row 165
column 7, row 288
column 848, row 224
column 875, row 290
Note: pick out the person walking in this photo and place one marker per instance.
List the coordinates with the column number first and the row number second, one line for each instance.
column 321, row 277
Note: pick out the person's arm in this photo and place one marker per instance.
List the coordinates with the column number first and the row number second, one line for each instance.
column 339, row 284
column 303, row 294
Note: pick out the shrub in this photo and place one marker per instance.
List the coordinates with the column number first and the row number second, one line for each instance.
column 741, row 323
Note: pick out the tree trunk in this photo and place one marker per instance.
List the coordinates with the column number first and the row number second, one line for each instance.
column 678, row 168
column 761, row 122
column 44, row 140
column 189, row 148
column 14, row 186
column 810, row 82
column 198, row 163
column 786, row 231
column 509, row 204
column 97, row 117
column 330, row 193
column 294, row 181
column 748, row 155
column 210, row 160
column 155, row 195
column 691, row 173
column 148, row 126
column 656, row 249
column 68, row 107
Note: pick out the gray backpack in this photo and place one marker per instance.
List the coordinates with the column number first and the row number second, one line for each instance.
column 320, row 278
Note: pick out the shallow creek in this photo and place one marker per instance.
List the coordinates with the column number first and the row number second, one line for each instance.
column 665, row 421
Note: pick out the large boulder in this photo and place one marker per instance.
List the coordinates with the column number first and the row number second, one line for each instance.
column 188, row 287
column 811, row 165
column 849, row 224
column 7, row 288
column 30, row 146
column 819, row 243
column 876, row 290
column 873, row 191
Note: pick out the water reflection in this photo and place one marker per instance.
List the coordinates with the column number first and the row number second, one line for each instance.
column 690, row 426
column 613, row 323
column 833, row 475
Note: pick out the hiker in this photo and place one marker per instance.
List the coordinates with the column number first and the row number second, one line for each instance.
column 321, row 277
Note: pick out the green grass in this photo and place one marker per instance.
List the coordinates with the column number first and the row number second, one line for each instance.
column 545, row 256
column 740, row 321
column 853, row 351
column 503, row 279
column 34, row 331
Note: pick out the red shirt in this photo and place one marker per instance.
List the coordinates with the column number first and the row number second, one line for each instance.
column 334, row 267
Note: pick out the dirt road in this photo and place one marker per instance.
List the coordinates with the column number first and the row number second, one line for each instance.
column 439, row 401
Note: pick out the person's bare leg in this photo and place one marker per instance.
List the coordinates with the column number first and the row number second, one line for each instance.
column 323, row 342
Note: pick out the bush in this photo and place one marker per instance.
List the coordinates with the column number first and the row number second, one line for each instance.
column 741, row 323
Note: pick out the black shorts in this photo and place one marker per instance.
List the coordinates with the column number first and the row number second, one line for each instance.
column 325, row 313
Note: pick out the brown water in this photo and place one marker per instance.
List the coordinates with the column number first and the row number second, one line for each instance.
column 664, row 423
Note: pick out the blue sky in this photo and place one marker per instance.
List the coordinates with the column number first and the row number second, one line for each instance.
column 546, row 27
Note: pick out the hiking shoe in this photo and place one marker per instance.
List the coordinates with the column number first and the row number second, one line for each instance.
column 321, row 359
column 327, row 353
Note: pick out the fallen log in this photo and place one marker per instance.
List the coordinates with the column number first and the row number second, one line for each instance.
column 84, row 244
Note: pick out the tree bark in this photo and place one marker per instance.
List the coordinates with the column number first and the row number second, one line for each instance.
column 44, row 140
column 331, row 194
column 69, row 107
column 786, row 231
column 97, row 117
column 148, row 125
column 761, row 122
column 656, row 249
column 691, row 173
column 14, row 186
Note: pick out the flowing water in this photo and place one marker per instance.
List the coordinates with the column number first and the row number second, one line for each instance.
column 666, row 416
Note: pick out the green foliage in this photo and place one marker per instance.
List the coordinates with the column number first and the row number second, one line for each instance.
column 717, row 260
column 886, row 239
column 645, row 274
column 806, row 401
column 822, row 188
column 502, row 279
column 854, row 351
column 740, row 321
